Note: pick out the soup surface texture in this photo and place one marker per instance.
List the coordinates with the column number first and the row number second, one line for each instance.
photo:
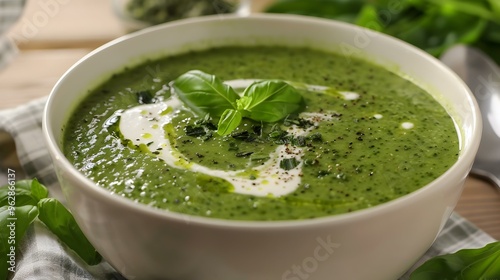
column 366, row 136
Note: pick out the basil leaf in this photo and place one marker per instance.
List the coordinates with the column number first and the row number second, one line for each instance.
column 205, row 93
column 20, row 204
column 229, row 121
column 271, row 101
column 38, row 191
column 60, row 221
column 479, row 263
column 13, row 196
column 23, row 192
column 14, row 221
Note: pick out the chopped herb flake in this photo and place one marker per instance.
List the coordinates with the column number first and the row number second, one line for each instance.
column 289, row 163
column 243, row 154
column 144, row 97
column 195, row 131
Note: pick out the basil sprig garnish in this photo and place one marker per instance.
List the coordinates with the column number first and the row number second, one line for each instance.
column 21, row 203
column 266, row 101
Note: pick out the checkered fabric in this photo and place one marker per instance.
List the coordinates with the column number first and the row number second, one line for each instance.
column 42, row 256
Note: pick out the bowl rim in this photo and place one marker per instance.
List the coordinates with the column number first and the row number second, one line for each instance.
column 459, row 168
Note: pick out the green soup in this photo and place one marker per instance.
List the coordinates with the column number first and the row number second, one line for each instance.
column 380, row 137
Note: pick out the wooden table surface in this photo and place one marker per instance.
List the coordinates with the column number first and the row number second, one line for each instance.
column 52, row 35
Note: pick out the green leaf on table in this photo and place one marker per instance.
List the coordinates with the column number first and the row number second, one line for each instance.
column 18, row 200
column 229, row 121
column 14, row 221
column 23, row 192
column 60, row 221
column 271, row 101
column 465, row 264
column 38, row 191
column 20, row 204
column 12, row 196
column 205, row 93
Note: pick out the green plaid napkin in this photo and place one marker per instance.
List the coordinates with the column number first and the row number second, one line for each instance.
column 42, row 256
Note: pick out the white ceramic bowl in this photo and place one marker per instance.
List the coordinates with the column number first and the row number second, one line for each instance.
column 378, row 243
